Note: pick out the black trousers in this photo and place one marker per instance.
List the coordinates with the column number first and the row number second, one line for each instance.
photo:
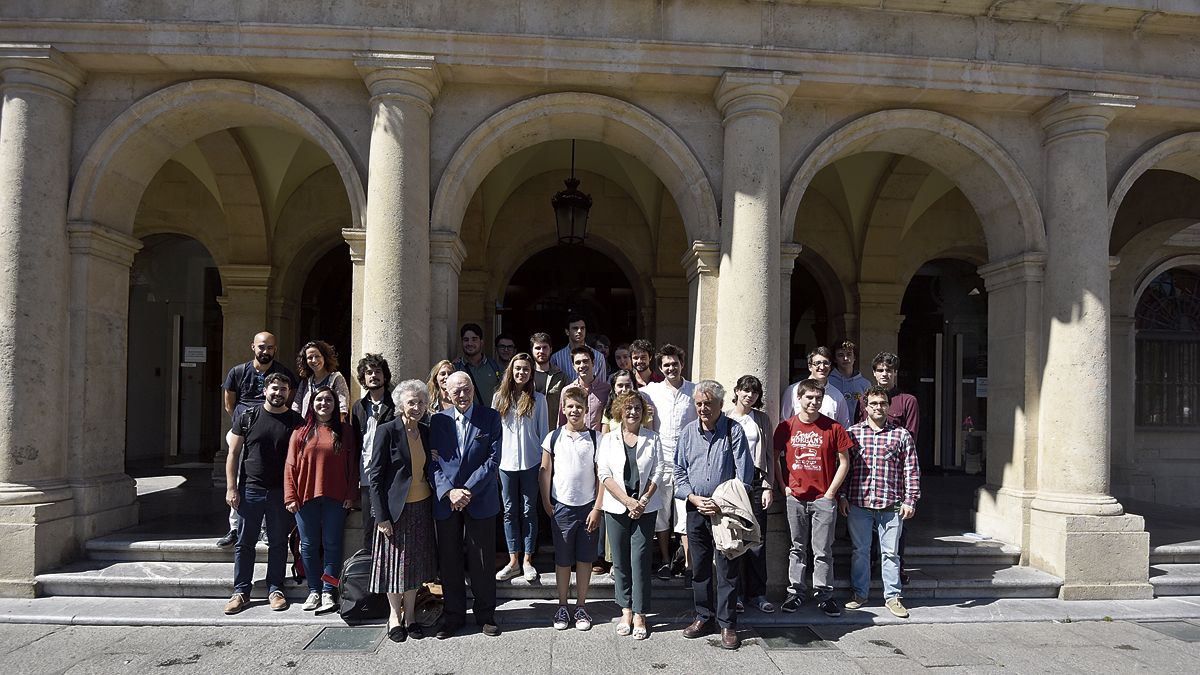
column 713, row 575
column 368, row 520
column 753, row 577
column 462, row 537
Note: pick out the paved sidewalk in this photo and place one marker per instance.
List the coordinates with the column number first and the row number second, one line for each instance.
column 1016, row 647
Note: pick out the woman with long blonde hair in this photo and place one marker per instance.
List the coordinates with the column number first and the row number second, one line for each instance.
column 525, row 422
column 439, row 400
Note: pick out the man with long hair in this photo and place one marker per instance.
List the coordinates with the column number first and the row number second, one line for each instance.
column 373, row 409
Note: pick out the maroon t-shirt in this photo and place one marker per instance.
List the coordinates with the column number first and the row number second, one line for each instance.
column 810, row 454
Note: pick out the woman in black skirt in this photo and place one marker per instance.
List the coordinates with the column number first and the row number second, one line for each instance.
column 404, row 554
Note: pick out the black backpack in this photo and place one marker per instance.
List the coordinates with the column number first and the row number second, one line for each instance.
column 356, row 602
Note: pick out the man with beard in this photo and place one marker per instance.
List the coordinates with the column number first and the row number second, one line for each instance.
column 641, row 354
column 254, row 476
column 375, row 408
column 483, row 370
column 548, row 379
column 243, row 389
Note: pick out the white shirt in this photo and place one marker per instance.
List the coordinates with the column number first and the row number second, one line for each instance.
column 833, row 405
column 574, row 479
column 521, row 447
column 673, row 409
column 368, row 441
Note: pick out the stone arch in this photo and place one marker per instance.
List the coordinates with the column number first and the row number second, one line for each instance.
column 990, row 178
column 123, row 159
column 969, row 254
column 1151, row 272
column 1179, row 153
column 584, row 116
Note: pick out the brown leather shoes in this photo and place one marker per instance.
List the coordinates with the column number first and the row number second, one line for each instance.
column 730, row 639
column 698, row 628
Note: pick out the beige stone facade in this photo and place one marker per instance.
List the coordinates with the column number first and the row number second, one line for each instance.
column 730, row 145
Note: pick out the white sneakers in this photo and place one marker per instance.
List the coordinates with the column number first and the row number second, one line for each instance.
column 313, row 602
column 509, row 571
column 531, row 574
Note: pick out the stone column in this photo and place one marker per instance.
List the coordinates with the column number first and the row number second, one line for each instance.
column 356, row 239
column 879, row 320
column 1014, row 287
column 701, row 264
column 1124, row 375
column 751, row 105
column 283, row 320
column 1078, row 530
column 665, row 314
column 396, row 281
column 244, row 315
column 447, row 253
column 36, row 507
column 787, row 263
column 105, row 496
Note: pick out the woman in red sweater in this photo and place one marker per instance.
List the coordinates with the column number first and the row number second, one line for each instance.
column 319, row 484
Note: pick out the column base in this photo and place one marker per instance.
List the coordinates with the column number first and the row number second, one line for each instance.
column 1003, row 514
column 1098, row 557
column 37, row 537
column 104, row 504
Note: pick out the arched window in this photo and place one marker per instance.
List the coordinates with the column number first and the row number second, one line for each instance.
column 1168, row 351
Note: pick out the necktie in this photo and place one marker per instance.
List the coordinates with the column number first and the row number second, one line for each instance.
column 462, row 433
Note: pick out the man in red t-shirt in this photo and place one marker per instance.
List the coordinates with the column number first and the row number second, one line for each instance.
column 808, row 444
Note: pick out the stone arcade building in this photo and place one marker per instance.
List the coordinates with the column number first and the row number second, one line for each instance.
column 767, row 176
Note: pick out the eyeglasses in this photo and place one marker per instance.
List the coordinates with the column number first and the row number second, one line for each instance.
column 877, row 404
column 820, row 364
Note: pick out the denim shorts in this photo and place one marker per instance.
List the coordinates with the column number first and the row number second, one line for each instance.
column 572, row 542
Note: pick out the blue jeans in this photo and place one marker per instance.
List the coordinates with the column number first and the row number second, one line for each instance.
column 520, row 493
column 320, row 521
column 257, row 504
column 864, row 524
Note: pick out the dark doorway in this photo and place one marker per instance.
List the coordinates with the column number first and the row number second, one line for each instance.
column 943, row 362
column 563, row 279
column 810, row 322
column 325, row 307
column 173, row 398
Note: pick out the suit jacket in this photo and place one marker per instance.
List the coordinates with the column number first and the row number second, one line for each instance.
column 362, row 411
column 389, row 473
column 475, row 466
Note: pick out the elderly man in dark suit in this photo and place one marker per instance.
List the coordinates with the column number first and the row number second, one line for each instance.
column 466, row 456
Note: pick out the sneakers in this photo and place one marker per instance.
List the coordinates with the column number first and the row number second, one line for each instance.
column 830, row 608
column 228, row 540
column 236, row 603
column 313, row 601
column 664, row 572
column 277, row 600
column 531, row 574
column 896, row 608
column 562, row 619
column 740, row 607
column 791, row 603
column 856, row 602
column 328, row 603
column 507, row 572
column 582, row 620
column 262, row 536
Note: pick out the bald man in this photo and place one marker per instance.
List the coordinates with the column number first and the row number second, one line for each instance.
column 243, row 389
column 463, row 469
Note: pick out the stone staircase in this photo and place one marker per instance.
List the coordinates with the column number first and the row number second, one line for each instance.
column 141, row 564
column 1175, row 568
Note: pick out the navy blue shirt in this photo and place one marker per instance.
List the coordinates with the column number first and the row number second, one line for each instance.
column 247, row 383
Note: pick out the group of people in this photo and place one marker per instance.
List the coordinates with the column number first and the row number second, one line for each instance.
column 618, row 463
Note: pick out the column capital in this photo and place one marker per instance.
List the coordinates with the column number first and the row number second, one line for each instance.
column 703, row 259
column 88, row 238
column 41, row 68
column 742, row 92
column 447, row 248
column 1023, row 268
column 244, row 278
column 1081, row 112
column 392, row 76
column 356, row 239
column 788, row 252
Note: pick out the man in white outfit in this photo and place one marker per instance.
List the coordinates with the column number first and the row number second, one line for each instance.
column 833, row 405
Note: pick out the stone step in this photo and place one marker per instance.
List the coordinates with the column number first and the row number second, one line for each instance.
column 1175, row 579
column 213, row 580
column 1185, row 552
column 183, row 548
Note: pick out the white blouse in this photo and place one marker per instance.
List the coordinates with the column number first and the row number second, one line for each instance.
column 521, row 446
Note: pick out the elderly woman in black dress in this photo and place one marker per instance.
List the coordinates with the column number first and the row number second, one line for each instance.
column 401, row 497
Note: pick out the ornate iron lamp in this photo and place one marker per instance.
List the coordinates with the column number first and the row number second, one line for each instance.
column 571, row 209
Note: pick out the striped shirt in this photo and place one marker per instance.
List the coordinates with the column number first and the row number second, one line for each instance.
column 883, row 467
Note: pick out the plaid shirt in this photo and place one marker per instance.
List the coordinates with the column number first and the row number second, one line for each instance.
column 883, row 467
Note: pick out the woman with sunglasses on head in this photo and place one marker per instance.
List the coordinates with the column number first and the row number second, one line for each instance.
column 439, row 400
column 525, row 421
column 319, row 485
